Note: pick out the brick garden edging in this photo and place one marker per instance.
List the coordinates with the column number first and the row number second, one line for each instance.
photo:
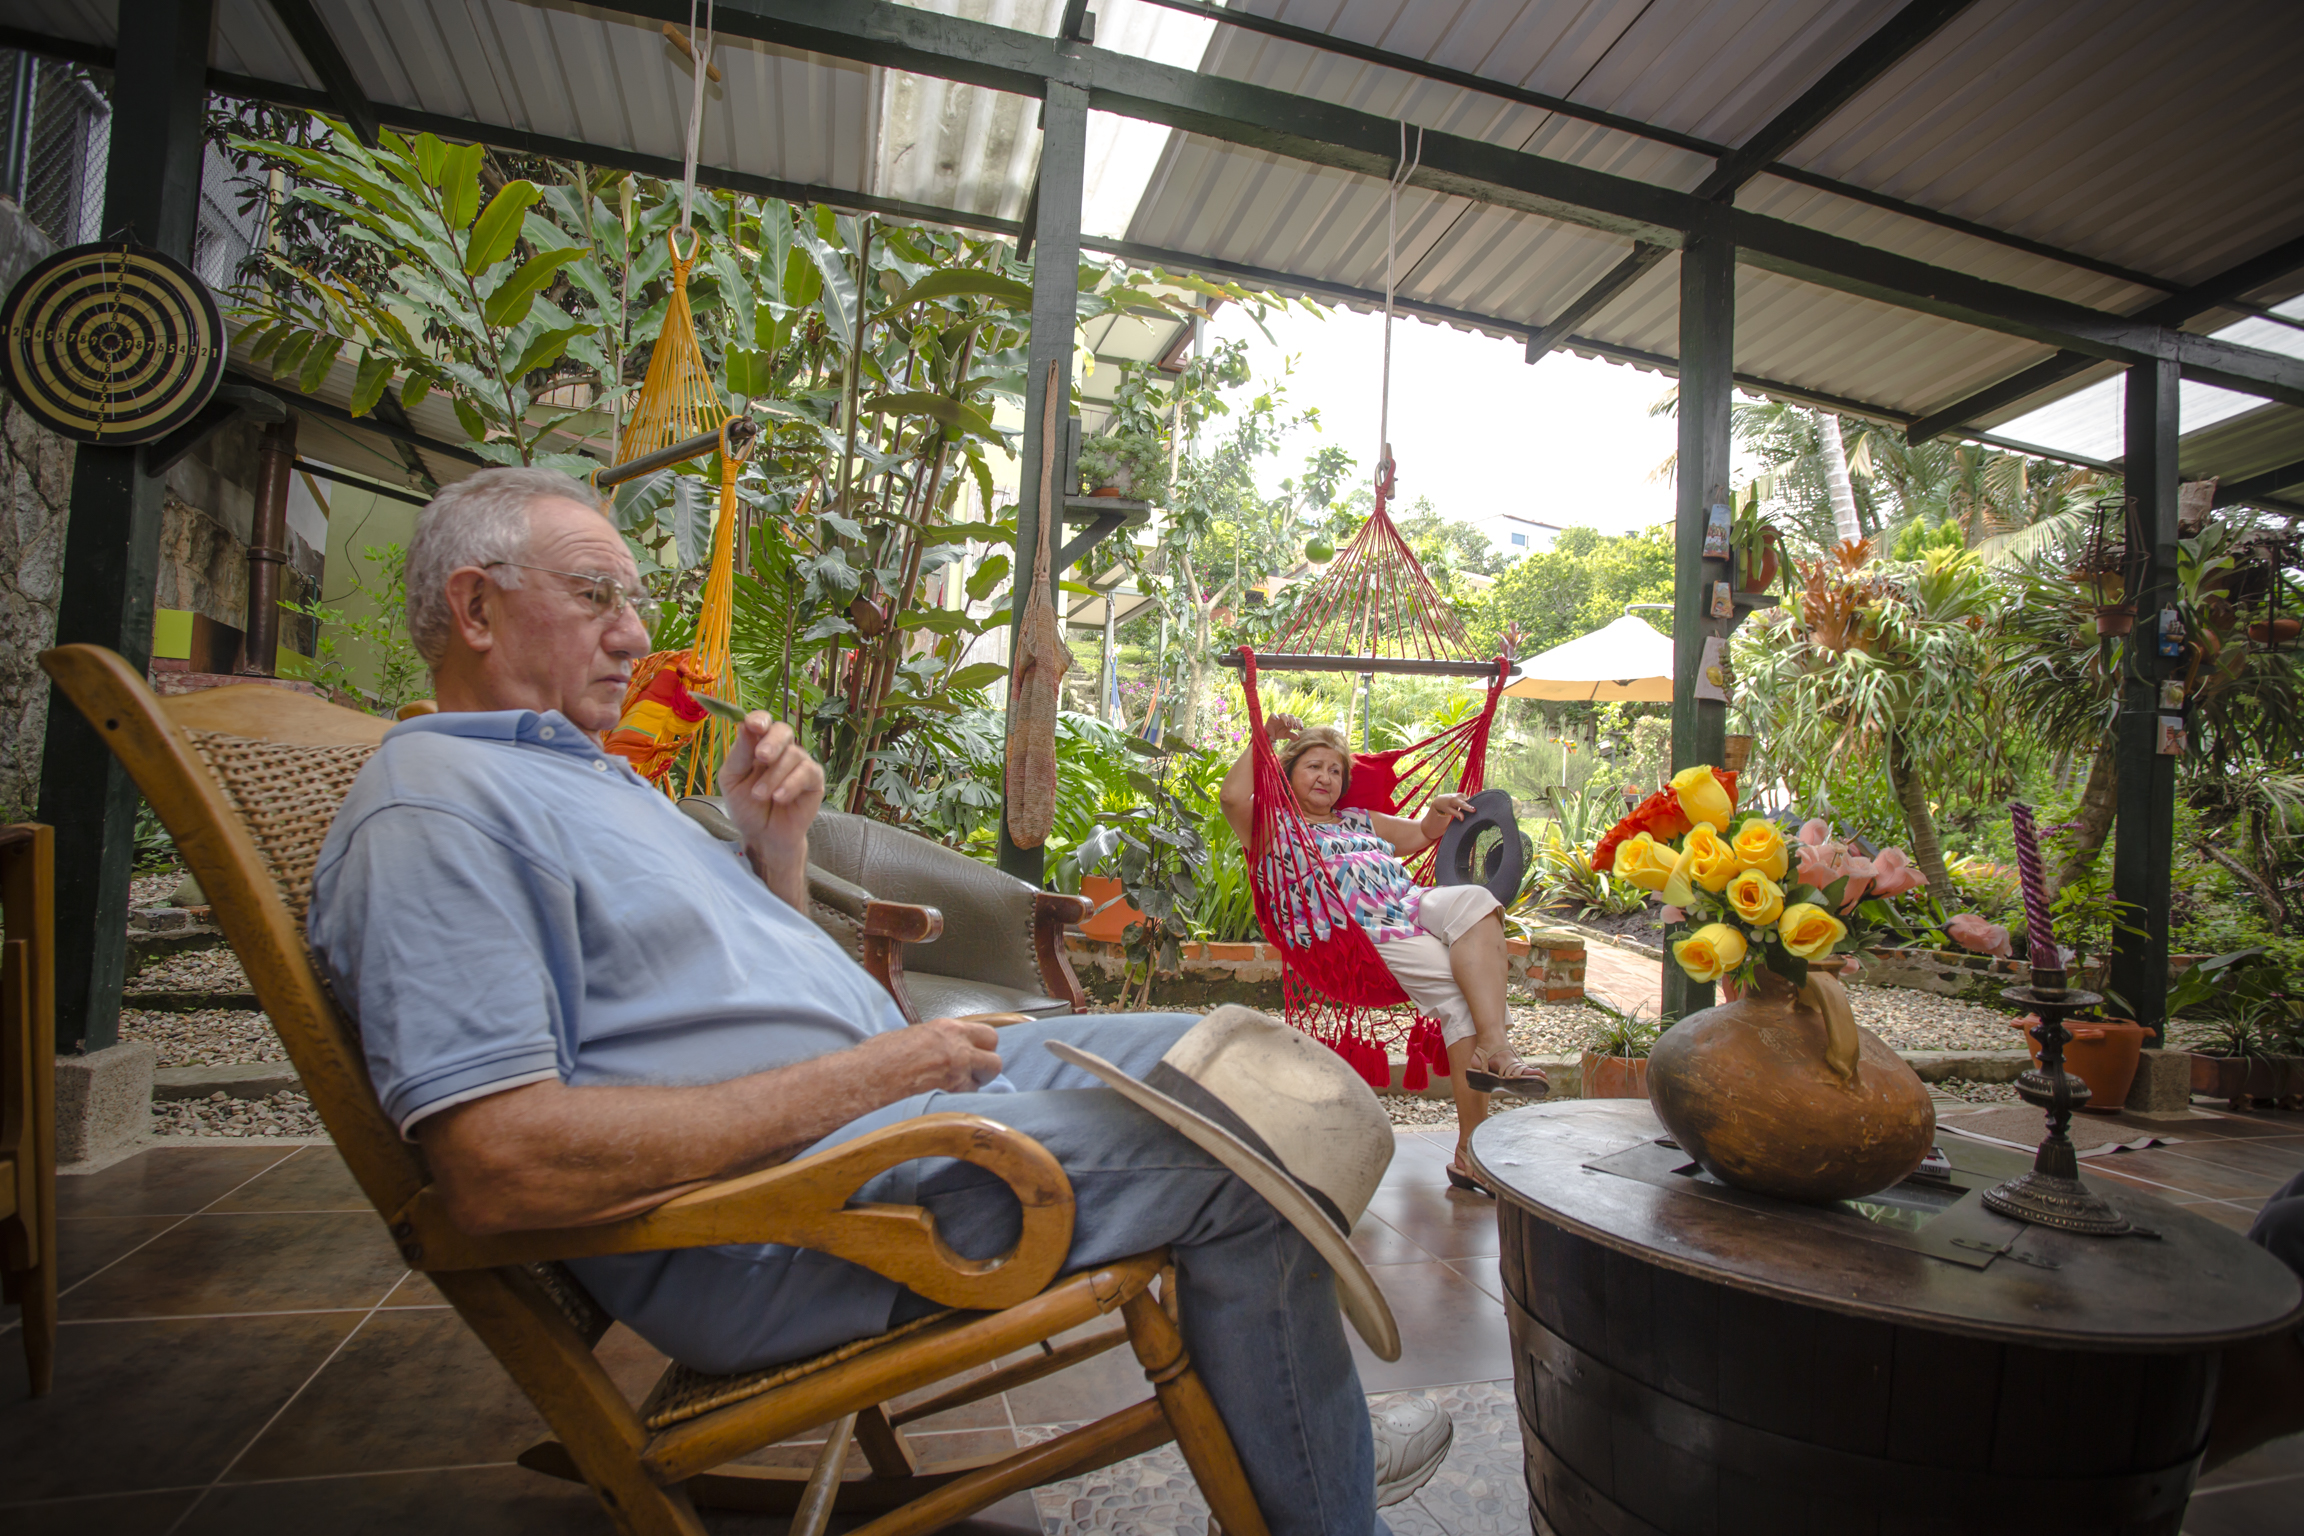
column 1976, row 978
column 1209, row 974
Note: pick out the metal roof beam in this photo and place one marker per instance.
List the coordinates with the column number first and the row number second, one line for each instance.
column 2260, row 486
column 318, row 45
column 1904, row 32
column 1328, row 42
column 1595, row 298
column 2216, row 293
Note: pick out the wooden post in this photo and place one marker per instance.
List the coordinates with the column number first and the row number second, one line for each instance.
column 1055, row 315
column 1707, row 345
column 268, row 550
column 112, row 543
column 2143, row 851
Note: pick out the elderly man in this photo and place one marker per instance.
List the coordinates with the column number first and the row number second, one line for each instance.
column 581, row 1005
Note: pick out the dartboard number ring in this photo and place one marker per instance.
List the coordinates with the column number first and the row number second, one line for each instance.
column 111, row 344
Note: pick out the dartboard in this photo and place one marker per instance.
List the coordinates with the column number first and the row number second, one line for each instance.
column 112, row 344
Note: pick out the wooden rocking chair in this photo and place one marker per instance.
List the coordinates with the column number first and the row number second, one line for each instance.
column 247, row 780
column 28, row 1091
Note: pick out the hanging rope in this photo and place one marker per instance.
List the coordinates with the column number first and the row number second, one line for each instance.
column 702, row 58
column 1391, row 252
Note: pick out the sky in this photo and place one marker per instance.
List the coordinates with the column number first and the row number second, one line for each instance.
column 1474, row 428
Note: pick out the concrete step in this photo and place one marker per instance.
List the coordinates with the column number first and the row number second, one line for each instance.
column 241, row 1080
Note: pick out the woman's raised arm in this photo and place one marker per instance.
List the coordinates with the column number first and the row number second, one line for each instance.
column 1236, row 796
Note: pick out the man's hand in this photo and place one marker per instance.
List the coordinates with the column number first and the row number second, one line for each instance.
column 947, row 1055
column 773, row 789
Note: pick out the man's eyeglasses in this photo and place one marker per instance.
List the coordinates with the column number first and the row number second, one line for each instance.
column 606, row 595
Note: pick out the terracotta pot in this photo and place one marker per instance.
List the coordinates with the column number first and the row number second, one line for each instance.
column 1111, row 924
column 1783, row 1093
column 2102, row 1053
column 1615, row 1077
column 1105, row 490
column 2274, row 632
column 1756, row 574
column 2118, row 620
column 2239, row 1079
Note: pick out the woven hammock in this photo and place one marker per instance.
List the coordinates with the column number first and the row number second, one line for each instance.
column 1333, row 983
column 1375, row 601
column 678, row 401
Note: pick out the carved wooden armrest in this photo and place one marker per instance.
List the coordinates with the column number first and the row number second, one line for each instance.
column 888, row 927
column 1051, row 912
column 805, row 1204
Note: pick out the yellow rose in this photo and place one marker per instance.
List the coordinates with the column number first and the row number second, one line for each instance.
column 1703, row 797
column 1760, row 845
column 1809, row 931
column 1643, row 861
column 1713, row 862
column 1757, row 899
column 1711, row 952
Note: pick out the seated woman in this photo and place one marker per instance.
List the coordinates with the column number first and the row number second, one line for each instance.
column 1444, row 945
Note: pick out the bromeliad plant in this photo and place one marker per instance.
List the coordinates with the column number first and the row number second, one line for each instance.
column 1753, row 896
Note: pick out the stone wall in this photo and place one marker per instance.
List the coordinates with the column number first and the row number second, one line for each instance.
column 1210, row 974
column 36, row 471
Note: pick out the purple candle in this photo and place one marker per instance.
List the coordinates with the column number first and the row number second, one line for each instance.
column 2045, row 955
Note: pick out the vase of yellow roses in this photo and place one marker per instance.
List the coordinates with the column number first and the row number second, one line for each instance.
column 1777, row 1090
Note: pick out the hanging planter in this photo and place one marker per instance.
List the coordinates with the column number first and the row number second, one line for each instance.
column 2102, row 571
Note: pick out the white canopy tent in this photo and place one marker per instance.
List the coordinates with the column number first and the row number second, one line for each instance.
column 1629, row 661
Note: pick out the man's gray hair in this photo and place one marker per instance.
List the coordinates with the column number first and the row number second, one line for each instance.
column 483, row 521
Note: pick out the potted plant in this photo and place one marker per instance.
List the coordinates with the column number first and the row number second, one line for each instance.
column 1615, row 1064
column 2254, row 1048
column 1125, row 463
column 1755, row 548
column 2100, row 570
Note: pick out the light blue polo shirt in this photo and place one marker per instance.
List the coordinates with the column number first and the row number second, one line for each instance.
column 500, row 901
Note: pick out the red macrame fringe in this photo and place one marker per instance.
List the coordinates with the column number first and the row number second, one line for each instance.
column 1336, row 988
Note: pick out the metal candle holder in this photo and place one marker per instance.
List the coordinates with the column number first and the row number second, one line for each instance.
column 2051, row 1195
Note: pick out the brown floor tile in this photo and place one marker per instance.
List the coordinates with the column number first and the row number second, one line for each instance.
column 1450, row 1331
column 2277, row 1458
column 166, row 1181
column 928, row 1450
column 155, row 1404
column 415, row 1290
column 986, row 1413
column 1103, row 1384
column 128, row 1514
column 410, row 1389
column 1447, row 1223
column 1379, row 1242
column 1486, row 1272
column 253, row 1263
column 465, row 1501
column 2277, row 1160
column 1413, row 1163
column 1016, row 1515
column 315, row 1179
column 86, row 1244
column 2249, row 1509
column 630, row 1361
column 2238, row 1215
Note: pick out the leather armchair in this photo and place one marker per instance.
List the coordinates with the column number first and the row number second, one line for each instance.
column 945, row 934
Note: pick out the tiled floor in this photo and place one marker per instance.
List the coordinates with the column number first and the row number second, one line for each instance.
column 243, row 1352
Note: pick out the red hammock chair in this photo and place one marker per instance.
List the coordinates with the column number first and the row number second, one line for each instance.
column 1331, row 978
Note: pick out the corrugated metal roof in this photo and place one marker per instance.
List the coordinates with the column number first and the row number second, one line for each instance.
column 2158, row 137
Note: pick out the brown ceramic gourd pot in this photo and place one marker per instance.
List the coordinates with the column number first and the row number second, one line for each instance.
column 1782, row 1093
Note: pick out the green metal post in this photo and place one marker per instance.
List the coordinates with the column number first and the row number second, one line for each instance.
column 1707, row 344
column 2145, row 830
column 1055, row 314
column 112, row 543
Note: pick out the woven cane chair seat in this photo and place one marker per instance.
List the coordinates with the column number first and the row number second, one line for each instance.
column 288, row 795
column 681, row 1394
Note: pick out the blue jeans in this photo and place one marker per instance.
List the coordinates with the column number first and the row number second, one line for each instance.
column 1258, row 1305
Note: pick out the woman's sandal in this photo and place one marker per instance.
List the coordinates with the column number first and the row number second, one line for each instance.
column 1526, row 1081
column 1461, row 1177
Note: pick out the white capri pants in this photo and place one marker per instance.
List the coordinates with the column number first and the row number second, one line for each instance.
column 1420, row 961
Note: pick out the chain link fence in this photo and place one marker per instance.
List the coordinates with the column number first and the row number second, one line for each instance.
column 55, row 143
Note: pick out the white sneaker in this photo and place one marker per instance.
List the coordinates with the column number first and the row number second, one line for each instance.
column 1412, row 1439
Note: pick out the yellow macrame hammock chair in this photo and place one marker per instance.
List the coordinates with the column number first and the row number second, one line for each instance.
column 679, row 401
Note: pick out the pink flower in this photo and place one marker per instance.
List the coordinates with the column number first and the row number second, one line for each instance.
column 1860, row 871
column 1970, row 931
column 1815, row 832
column 1894, row 874
column 1821, row 863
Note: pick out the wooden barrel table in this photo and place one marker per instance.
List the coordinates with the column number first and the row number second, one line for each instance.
column 1691, row 1360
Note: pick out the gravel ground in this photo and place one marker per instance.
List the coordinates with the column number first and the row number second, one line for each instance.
column 286, row 1113
column 1977, row 1093
column 210, row 1037
column 193, row 970
column 153, row 890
